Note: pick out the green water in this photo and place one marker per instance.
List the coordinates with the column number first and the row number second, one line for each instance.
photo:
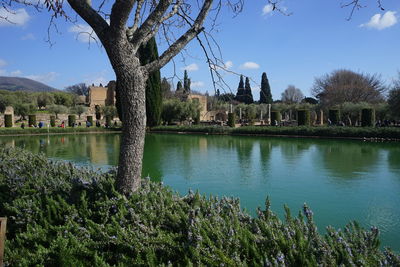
column 340, row 180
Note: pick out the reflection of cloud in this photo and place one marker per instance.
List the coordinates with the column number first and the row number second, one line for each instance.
column 250, row 66
column 380, row 22
column 84, row 33
column 9, row 17
column 191, row 67
column 43, row 78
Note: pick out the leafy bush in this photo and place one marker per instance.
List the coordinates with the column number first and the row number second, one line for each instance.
column 58, row 130
column 367, row 117
column 71, row 120
column 8, row 120
column 32, row 120
column 90, row 119
column 334, row 116
column 61, row 215
column 231, row 119
column 276, row 117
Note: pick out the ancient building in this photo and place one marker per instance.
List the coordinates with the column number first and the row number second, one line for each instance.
column 102, row 96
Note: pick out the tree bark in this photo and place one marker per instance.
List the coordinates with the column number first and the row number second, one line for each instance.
column 131, row 83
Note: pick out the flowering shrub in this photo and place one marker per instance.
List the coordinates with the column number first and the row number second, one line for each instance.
column 61, row 215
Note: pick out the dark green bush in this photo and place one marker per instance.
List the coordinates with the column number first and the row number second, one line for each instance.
column 108, row 121
column 303, row 117
column 71, row 120
column 231, row 119
column 90, row 119
column 61, row 215
column 334, row 116
column 31, row 120
column 8, row 120
column 53, row 121
column 367, row 117
column 276, row 117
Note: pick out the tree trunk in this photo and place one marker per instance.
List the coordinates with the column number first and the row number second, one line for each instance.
column 131, row 83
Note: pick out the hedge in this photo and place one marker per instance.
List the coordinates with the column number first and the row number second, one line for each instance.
column 71, row 120
column 59, row 215
column 334, row 116
column 303, row 117
column 367, row 117
column 276, row 117
column 231, row 119
column 53, row 121
column 31, row 120
column 90, row 119
column 8, row 120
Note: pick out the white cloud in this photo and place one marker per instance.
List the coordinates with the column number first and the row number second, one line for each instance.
column 250, row 66
column 267, row 9
column 2, row 63
column 43, row 78
column 28, row 36
column 84, row 33
column 191, row 67
column 228, row 64
column 97, row 78
column 9, row 17
column 3, row 72
column 380, row 22
column 16, row 73
column 197, row 84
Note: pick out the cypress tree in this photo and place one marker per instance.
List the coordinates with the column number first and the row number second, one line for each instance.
column 149, row 53
column 248, row 95
column 186, row 83
column 265, row 93
column 179, row 86
column 240, row 91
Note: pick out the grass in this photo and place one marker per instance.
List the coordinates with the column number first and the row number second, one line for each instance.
column 345, row 132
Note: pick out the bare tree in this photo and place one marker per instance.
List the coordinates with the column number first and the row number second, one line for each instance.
column 292, row 95
column 342, row 86
column 78, row 89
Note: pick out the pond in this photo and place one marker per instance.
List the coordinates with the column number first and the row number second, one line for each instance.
column 341, row 180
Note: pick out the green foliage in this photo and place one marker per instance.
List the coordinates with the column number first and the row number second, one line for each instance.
column 231, row 119
column 186, row 83
column 108, row 121
column 79, row 110
column 57, row 109
column 265, row 93
column 303, row 117
column 55, row 130
column 64, row 99
column 276, row 118
column 149, row 53
column 90, row 119
column 53, row 121
column 8, row 120
column 32, row 120
column 394, row 102
column 44, row 99
column 71, row 120
column 24, row 109
column 334, row 116
column 61, row 215
column 109, row 111
column 176, row 110
column 367, row 117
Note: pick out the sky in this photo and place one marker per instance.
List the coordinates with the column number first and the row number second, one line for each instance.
column 314, row 39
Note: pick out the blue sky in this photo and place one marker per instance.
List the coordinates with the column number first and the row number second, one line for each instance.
column 314, row 40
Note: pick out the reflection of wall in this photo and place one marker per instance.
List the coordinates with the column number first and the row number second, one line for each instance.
column 98, row 151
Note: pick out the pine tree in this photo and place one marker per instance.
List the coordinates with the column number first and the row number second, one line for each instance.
column 149, row 53
column 179, row 86
column 265, row 93
column 240, row 91
column 186, row 83
column 248, row 95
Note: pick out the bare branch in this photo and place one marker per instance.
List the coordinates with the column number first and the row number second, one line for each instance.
column 120, row 13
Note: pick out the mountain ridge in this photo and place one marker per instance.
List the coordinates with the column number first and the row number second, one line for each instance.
column 23, row 84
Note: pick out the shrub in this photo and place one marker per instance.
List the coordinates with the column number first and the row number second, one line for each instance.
column 31, row 120
column 71, row 120
column 303, row 117
column 231, row 119
column 53, row 121
column 108, row 121
column 334, row 116
column 276, row 117
column 90, row 119
column 8, row 120
column 367, row 117
column 61, row 215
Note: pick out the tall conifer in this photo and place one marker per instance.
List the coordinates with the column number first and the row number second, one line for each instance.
column 240, row 91
column 265, row 93
column 248, row 95
column 186, row 83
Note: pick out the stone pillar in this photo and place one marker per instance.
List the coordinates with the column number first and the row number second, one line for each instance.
column 321, row 117
column 269, row 114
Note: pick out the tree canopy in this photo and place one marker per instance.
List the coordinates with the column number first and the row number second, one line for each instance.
column 292, row 95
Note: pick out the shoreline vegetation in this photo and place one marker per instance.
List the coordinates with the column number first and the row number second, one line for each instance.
column 336, row 132
column 59, row 214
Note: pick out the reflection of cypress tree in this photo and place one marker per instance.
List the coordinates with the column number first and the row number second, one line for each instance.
column 265, row 152
column 244, row 148
column 394, row 159
column 152, row 158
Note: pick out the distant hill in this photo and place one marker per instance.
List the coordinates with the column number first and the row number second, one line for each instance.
column 23, row 84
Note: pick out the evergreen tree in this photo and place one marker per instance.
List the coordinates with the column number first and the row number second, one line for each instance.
column 248, row 95
column 179, row 86
column 240, row 91
column 149, row 53
column 186, row 83
column 265, row 93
